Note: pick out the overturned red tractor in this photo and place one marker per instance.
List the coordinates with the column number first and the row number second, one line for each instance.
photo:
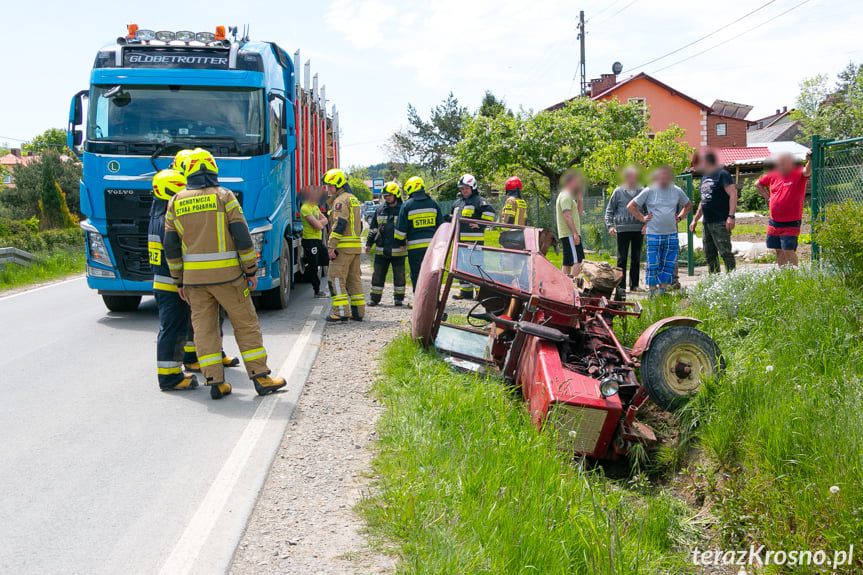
column 555, row 341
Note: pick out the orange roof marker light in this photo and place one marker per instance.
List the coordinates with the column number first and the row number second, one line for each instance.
column 131, row 31
column 220, row 33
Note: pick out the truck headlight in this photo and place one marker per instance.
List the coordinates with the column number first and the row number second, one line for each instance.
column 98, row 251
column 258, row 243
column 262, row 271
column 95, row 272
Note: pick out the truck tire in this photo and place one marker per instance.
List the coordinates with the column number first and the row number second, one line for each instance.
column 278, row 297
column 675, row 364
column 121, row 302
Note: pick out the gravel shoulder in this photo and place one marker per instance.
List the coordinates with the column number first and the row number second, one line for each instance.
column 304, row 520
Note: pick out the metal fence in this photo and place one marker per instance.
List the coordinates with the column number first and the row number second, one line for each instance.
column 837, row 174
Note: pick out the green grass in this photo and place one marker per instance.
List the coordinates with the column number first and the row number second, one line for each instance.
column 53, row 264
column 739, row 229
column 784, row 425
column 466, row 484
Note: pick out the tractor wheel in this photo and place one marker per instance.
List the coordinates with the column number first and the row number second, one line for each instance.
column 674, row 366
column 121, row 302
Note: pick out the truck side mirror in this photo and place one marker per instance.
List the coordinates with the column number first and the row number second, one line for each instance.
column 75, row 130
column 278, row 123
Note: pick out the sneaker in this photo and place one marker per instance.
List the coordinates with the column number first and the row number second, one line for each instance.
column 337, row 318
column 321, row 294
column 229, row 361
column 635, row 289
column 189, row 382
column 265, row 384
column 220, row 390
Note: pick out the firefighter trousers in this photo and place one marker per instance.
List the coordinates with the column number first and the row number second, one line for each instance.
column 346, row 286
column 174, row 345
column 465, row 287
column 415, row 260
column 235, row 299
column 379, row 276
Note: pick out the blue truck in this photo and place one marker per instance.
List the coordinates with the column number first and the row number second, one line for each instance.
column 153, row 93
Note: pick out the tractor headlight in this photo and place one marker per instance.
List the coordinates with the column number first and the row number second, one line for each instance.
column 98, row 251
column 609, row 387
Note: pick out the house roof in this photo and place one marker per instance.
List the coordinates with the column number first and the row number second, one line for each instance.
column 13, row 160
column 774, row 133
column 770, row 120
column 643, row 76
column 730, row 109
column 755, row 155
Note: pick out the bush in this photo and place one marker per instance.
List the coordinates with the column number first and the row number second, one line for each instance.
column 360, row 189
column 750, row 200
column 839, row 232
column 25, row 235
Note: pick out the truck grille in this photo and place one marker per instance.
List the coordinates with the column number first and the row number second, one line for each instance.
column 128, row 213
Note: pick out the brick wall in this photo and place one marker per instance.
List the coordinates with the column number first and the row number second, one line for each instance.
column 735, row 132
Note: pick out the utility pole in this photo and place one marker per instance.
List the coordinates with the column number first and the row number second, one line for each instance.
column 582, row 67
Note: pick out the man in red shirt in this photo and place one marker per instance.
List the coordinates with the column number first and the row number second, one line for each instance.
column 785, row 189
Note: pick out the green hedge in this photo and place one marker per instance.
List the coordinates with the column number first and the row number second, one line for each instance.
column 24, row 235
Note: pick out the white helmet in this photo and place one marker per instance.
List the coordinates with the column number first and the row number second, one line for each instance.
column 467, row 180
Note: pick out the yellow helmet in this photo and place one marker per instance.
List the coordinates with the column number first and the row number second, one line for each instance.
column 181, row 160
column 198, row 160
column 393, row 188
column 335, row 177
column 415, row 184
column 167, row 183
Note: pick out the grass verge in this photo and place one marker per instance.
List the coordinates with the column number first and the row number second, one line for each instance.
column 52, row 264
column 466, row 484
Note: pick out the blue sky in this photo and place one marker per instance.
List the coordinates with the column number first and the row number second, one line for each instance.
column 375, row 56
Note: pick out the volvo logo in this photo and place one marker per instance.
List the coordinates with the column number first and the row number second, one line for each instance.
column 113, row 166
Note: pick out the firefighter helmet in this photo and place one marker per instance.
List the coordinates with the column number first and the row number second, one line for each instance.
column 415, row 184
column 199, row 160
column 513, row 183
column 467, row 180
column 167, row 183
column 393, row 189
column 336, row 177
column 181, row 160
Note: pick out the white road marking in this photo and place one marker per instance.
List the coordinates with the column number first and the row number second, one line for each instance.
column 185, row 553
column 317, row 310
column 29, row 291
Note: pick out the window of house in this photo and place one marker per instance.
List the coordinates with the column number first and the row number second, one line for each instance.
column 7, row 179
column 721, row 129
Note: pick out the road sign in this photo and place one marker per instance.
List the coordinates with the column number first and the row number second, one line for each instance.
column 377, row 186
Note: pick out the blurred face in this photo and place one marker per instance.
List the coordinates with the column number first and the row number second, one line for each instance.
column 573, row 186
column 331, row 190
column 466, row 191
column 704, row 166
column 389, row 198
column 785, row 164
column 662, row 177
column 630, row 177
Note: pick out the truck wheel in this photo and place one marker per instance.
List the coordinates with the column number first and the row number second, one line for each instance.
column 121, row 302
column 278, row 297
column 674, row 366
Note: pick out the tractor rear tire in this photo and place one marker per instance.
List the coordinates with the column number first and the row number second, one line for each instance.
column 675, row 364
column 121, row 302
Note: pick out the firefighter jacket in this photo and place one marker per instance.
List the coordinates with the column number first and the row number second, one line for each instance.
column 418, row 219
column 207, row 240
column 514, row 210
column 346, row 223
column 382, row 231
column 162, row 279
column 474, row 207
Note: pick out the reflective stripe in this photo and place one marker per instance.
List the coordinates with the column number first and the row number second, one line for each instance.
column 231, row 205
column 487, row 216
column 168, row 370
column 399, row 290
column 209, row 257
column 419, row 244
column 400, row 235
column 339, row 300
column 358, row 299
column 154, row 245
column 422, row 211
column 216, row 265
column 254, row 353
column 377, row 290
column 210, row 359
column 471, row 237
column 248, row 256
column 335, row 235
column 154, row 238
column 175, row 266
column 179, row 226
column 395, row 251
column 220, row 230
column 189, row 348
column 169, row 364
column 164, row 286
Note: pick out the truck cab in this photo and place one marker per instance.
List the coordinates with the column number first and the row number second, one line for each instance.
column 152, row 94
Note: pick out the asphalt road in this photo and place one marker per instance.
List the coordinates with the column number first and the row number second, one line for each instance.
column 100, row 472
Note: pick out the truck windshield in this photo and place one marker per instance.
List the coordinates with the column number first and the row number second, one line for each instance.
column 133, row 114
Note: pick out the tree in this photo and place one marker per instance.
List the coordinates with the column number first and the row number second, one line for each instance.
column 24, row 198
column 433, row 140
column 400, row 148
column 548, row 142
column 835, row 112
column 491, row 106
column 360, row 189
column 50, row 139
column 664, row 148
column 52, row 201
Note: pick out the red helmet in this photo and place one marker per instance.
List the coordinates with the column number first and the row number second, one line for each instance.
column 513, row 183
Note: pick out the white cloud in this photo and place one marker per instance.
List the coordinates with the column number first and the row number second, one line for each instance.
column 361, row 22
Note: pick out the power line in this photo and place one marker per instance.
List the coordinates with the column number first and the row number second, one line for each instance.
column 607, row 8
column 705, row 37
column 618, row 12
column 736, row 36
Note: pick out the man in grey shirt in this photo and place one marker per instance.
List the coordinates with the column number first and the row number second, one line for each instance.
column 628, row 230
column 662, row 201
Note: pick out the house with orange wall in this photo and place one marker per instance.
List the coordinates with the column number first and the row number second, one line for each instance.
column 666, row 105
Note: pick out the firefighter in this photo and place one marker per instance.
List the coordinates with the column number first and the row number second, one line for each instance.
column 515, row 209
column 175, row 344
column 470, row 205
column 419, row 218
column 388, row 250
column 344, row 247
column 213, row 262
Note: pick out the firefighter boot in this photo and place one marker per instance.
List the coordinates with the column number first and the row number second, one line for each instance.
column 196, row 367
column 229, row 361
column 265, row 384
column 355, row 313
column 189, row 382
column 220, row 390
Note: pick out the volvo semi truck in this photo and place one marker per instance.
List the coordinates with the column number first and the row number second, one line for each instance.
column 155, row 92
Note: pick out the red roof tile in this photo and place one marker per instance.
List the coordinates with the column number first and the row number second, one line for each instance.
column 729, row 156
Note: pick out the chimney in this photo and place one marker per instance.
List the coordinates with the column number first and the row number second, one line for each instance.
column 778, row 111
column 601, row 84
column 784, row 109
column 15, row 152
